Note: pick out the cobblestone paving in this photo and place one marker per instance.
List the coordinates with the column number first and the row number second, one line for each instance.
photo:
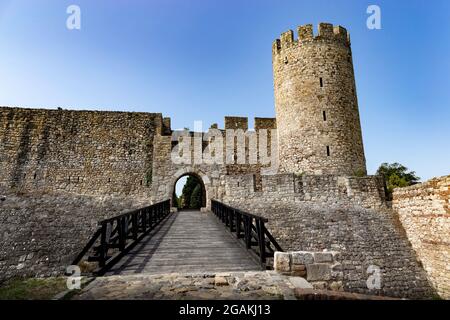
column 236, row 285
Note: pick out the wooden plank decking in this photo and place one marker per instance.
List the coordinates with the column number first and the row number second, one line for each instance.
column 188, row 241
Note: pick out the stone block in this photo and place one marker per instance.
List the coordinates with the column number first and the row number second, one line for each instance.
column 302, row 257
column 220, row 281
column 298, row 267
column 282, row 262
column 336, row 256
column 301, row 283
column 318, row 272
column 336, row 286
column 337, row 267
column 320, row 257
column 320, row 285
column 298, row 270
column 301, row 273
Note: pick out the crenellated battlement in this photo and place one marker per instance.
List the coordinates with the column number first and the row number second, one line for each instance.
column 305, row 33
column 265, row 123
column 236, row 123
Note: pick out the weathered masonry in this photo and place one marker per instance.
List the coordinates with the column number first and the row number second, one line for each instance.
column 319, row 129
column 85, row 152
column 129, row 154
column 320, row 149
column 424, row 211
column 63, row 170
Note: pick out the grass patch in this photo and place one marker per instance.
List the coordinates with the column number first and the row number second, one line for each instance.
column 359, row 173
column 435, row 296
column 32, row 288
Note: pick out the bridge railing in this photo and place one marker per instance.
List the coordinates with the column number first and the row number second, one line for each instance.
column 248, row 227
column 114, row 234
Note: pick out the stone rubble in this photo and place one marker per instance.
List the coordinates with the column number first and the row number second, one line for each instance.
column 263, row 285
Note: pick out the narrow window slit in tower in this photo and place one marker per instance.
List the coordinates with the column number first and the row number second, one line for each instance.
column 321, row 82
column 34, row 177
column 324, row 116
column 328, row 151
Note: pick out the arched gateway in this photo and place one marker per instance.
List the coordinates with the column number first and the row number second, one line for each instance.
column 199, row 182
column 201, row 178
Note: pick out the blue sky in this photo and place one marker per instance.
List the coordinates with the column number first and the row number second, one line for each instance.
column 202, row 60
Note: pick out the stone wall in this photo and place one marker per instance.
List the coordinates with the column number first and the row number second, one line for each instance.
column 319, row 130
column 166, row 172
column 129, row 154
column 424, row 211
column 364, row 237
column 322, row 269
column 41, row 233
column 126, row 157
column 62, row 171
column 86, row 152
column 327, row 189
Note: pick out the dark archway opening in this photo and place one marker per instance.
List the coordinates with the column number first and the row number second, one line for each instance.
column 189, row 193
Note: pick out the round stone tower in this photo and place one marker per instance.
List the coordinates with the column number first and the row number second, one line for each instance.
column 319, row 130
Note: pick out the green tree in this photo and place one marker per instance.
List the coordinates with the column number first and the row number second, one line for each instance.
column 188, row 188
column 396, row 176
column 177, row 200
column 196, row 197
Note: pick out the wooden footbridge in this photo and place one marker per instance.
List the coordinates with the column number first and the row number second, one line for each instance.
column 153, row 240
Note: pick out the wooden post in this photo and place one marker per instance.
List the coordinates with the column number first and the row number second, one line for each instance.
column 103, row 246
column 150, row 218
column 248, row 231
column 261, row 240
column 159, row 212
column 122, row 233
column 144, row 220
column 231, row 218
column 238, row 224
column 135, row 225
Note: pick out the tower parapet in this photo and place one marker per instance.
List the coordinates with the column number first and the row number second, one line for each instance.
column 326, row 32
column 319, row 130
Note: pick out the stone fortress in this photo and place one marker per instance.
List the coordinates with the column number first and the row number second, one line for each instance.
column 321, row 154
column 321, row 198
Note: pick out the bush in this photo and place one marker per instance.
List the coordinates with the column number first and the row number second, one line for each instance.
column 396, row 176
column 359, row 173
